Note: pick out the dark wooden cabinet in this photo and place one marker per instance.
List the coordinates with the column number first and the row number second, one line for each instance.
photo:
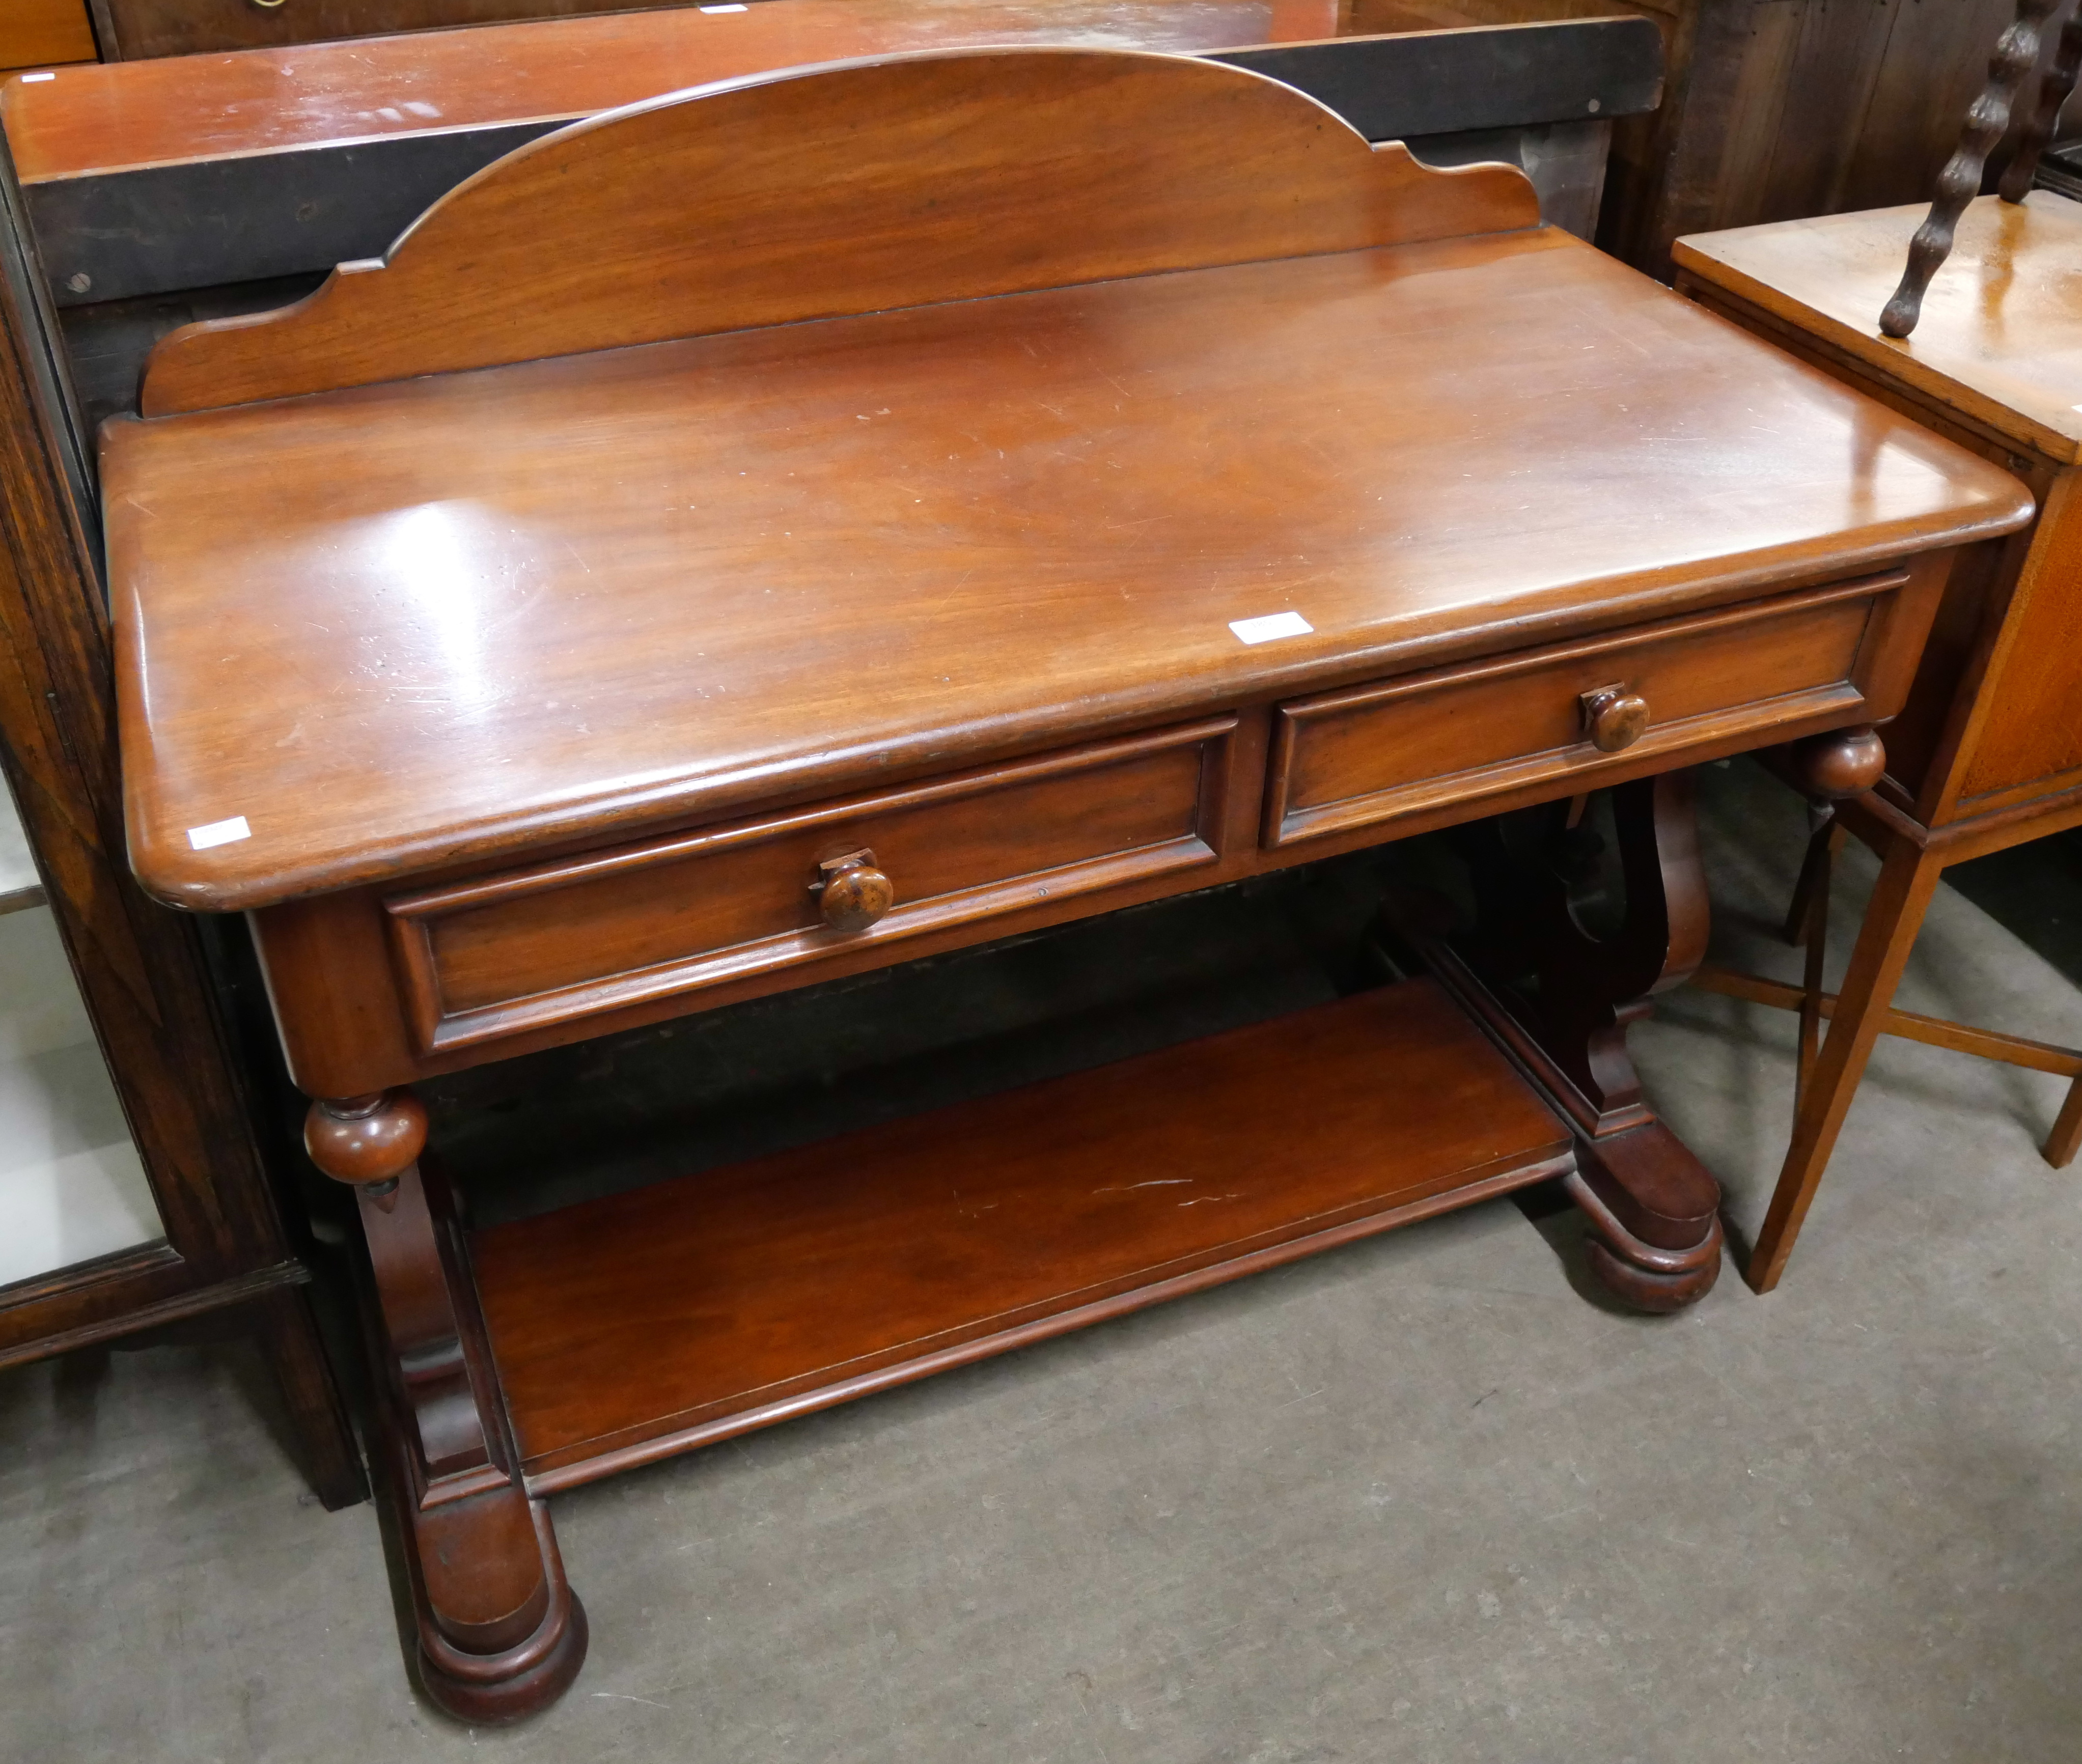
column 140, row 969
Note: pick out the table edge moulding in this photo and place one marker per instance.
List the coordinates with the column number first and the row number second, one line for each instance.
column 814, row 521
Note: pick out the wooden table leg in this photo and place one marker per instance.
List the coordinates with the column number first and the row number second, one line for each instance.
column 1561, row 1000
column 2066, row 1138
column 1908, row 877
column 500, row 1632
column 1826, row 769
column 1807, row 922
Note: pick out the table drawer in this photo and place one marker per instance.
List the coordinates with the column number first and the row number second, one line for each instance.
column 563, row 939
column 1346, row 759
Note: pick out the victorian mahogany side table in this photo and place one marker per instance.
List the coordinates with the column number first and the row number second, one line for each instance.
column 1987, row 752
column 822, row 519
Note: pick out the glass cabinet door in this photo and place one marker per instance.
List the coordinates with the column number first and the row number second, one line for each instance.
column 71, row 1185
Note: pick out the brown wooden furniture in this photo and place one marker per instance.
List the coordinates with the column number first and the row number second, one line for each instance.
column 144, row 178
column 1988, row 752
column 1774, row 108
column 765, row 535
column 142, row 969
column 38, row 33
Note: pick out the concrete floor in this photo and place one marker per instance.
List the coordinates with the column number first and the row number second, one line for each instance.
column 1419, row 1499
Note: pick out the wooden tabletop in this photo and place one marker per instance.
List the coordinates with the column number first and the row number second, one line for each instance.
column 447, row 617
column 2000, row 337
column 107, row 116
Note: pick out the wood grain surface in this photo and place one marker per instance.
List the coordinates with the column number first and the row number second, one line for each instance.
column 269, row 163
column 2000, row 337
column 734, row 1290
column 36, row 33
column 1993, row 362
column 862, row 188
column 191, row 28
column 2028, row 728
column 760, row 565
column 206, row 106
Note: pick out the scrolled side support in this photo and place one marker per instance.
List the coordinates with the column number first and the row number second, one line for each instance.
column 500, row 1632
column 1561, row 1000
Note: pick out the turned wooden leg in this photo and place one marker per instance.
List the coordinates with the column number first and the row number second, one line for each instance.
column 500, row 1632
column 1561, row 1000
column 2017, row 53
column 1800, row 909
column 1908, row 877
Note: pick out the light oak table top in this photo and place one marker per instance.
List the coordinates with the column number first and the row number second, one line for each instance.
column 2000, row 337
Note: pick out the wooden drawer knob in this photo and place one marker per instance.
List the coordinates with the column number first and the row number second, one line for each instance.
column 853, row 893
column 1614, row 717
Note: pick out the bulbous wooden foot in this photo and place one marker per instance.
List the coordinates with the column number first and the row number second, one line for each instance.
column 1655, row 1229
column 1641, row 1289
column 491, row 1689
column 531, row 1688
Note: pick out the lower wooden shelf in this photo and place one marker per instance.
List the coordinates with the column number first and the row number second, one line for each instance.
column 640, row 1324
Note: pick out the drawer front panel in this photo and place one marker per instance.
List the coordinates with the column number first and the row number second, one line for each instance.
column 1372, row 753
column 605, row 930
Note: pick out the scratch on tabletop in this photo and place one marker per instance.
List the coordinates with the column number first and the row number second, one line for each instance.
column 616, row 1696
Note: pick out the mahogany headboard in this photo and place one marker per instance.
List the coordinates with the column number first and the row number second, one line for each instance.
column 857, row 186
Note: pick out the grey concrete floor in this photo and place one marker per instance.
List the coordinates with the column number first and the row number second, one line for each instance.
column 1423, row 1498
